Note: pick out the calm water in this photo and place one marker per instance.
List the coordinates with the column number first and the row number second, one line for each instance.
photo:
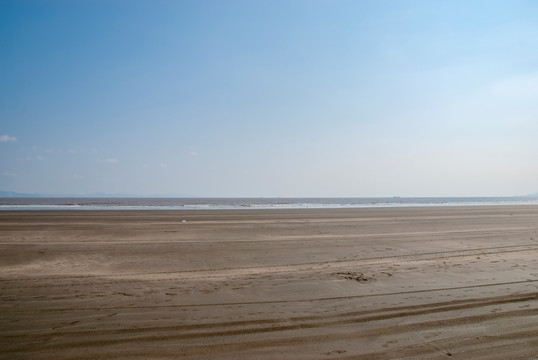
column 246, row 203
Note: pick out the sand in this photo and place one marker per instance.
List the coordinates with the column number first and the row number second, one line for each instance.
column 411, row 283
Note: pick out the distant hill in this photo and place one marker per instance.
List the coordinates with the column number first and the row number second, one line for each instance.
column 19, row 195
column 104, row 195
column 14, row 194
column 533, row 195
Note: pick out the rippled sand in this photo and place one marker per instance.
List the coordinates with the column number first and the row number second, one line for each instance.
column 447, row 282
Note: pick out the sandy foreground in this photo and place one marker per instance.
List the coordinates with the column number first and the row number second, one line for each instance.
column 406, row 283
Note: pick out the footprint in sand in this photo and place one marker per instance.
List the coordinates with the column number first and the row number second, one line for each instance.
column 334, row 352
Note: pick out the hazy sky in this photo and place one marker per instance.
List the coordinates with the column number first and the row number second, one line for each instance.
column 269, row 98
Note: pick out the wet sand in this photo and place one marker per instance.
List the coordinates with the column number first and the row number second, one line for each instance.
column 413, row 283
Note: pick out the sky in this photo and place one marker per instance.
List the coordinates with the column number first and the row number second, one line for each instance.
column 269, row 98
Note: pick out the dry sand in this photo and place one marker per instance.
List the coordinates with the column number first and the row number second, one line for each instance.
column 428, row 283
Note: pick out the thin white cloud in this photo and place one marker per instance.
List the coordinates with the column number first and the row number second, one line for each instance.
column 9, row 174
column 193, row 153
column 41, row 158
column 163, row 165
column 523, row 86
column 108, row 160
column 7, row 138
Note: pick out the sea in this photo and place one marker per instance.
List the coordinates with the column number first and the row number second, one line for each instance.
column 76, row 203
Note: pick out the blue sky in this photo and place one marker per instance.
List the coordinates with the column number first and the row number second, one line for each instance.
column 269, row 98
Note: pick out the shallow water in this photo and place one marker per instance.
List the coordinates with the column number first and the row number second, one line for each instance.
column 249, row 203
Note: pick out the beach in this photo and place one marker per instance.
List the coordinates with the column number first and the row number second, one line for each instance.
column 373, row 283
